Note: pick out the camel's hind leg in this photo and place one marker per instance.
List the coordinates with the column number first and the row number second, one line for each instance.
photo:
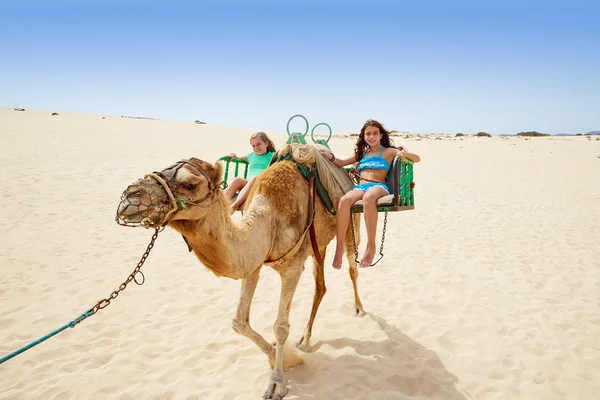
column 351, row 256
column 241, row 322
column 290, row 275
column 320, row 289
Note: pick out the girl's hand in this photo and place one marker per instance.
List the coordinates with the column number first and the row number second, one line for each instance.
column 231, row 155
column 405, row 154
column 328, row 155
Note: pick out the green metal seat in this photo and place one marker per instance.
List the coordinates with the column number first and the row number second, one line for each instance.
column 400, row 183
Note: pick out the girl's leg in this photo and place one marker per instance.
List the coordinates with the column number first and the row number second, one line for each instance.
column 235, row 185
column 341, row 220
column 370, row 213
column 243, row 195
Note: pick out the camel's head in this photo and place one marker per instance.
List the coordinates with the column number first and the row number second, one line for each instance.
column 185, row 190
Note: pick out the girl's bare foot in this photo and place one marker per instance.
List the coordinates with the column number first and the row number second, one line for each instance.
column 233, row 208
column 368, row 257
column 337, row 259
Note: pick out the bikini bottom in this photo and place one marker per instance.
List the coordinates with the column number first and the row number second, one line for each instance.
column 366, row 186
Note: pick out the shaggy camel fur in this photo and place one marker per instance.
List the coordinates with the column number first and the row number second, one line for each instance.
column 273, row 232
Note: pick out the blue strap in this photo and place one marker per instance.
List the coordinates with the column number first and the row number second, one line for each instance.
column 40, row 340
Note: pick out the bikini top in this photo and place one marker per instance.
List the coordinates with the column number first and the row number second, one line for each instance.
column 373, row 162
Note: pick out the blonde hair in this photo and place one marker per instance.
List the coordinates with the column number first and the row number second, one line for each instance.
column 263, row 136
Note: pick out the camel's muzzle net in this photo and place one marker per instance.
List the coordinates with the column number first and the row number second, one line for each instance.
column 150, row 201
column 146, row 203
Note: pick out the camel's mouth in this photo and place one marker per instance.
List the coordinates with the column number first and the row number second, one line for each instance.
column 144, row 203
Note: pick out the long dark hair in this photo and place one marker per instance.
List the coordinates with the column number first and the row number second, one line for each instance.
column 263, row 136
column 361, row 144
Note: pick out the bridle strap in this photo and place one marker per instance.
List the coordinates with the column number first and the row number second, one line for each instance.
column 165, row 186
column 177, row 203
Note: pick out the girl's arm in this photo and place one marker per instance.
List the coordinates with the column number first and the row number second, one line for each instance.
column 403, row 153
column 340, row 162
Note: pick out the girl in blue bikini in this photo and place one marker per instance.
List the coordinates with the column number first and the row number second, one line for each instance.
column 374, row 153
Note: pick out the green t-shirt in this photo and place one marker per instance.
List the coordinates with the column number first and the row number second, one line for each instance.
column 258, row 163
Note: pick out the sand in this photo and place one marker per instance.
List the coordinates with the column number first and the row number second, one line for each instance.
column 490, row 289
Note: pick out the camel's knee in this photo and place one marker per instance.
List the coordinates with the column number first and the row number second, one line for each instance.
column 281, row 330
column 319, row 277
column 321, row 289
column 240, row 327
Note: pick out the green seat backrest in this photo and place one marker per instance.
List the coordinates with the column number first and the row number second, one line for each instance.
column 405, row 183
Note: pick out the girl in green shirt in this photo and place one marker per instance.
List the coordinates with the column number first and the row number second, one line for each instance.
column 262, row 151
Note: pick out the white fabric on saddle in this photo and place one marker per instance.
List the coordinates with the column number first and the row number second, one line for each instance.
column 333, row 178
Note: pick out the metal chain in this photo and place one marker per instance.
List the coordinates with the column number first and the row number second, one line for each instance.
column 383, row 234
column 132, row 277
column 99, row 306
column 382, row 239
column 354, row 238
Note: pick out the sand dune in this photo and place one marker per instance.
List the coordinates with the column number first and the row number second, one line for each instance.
column 488, row 290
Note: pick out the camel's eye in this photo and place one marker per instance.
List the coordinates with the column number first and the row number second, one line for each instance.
column 189, row 186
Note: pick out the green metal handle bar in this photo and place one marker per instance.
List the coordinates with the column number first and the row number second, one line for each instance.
column 298, row 133
column 312, row 133
column 237, row 162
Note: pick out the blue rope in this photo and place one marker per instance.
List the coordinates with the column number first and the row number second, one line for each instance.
column 71, row 324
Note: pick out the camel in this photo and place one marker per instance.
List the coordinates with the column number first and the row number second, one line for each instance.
column 272, row 231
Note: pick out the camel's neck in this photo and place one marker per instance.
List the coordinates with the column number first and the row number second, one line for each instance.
column 222, row 246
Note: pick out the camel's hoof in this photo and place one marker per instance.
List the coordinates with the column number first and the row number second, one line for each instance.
column 303, row 343
column 274, row 390
column 359, row 312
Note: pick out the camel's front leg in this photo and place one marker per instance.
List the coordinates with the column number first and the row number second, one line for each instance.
column 290, row 275
column 351, row 256
column 320, row 289
column 241, row 322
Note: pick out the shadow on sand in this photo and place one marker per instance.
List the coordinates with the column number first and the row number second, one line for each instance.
column 392, row 368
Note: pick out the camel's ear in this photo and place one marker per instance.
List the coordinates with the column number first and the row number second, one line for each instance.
column 218, row 174
column 198, row 163
column 214, row 172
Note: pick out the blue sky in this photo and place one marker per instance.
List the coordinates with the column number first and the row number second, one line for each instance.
column 420, row 66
